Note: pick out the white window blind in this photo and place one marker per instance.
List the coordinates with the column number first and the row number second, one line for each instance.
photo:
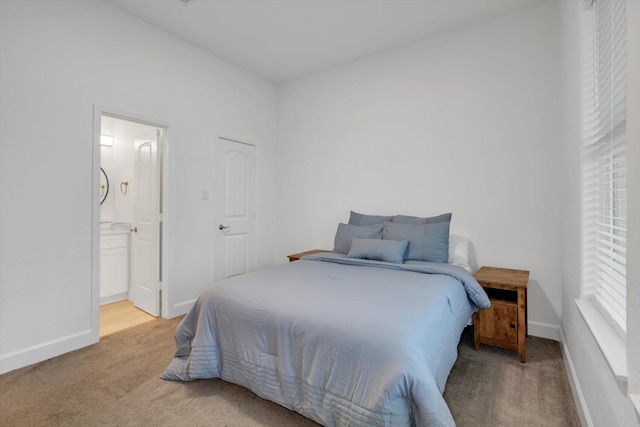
column 605, row 163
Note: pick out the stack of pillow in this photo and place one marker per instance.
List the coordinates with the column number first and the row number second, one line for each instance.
column 396, row 239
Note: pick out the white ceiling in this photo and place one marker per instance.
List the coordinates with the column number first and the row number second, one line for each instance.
column 280, row 40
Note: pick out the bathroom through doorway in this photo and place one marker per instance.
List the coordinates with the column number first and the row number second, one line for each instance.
column 130, row 214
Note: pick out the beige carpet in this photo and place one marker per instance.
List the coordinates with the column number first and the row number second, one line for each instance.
column 116, row 383
column 491, row 387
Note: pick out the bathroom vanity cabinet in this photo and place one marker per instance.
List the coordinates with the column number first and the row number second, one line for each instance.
column 114, row 267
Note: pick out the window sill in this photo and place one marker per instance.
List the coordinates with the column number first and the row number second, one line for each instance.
column 612, row 346
column 635, row 399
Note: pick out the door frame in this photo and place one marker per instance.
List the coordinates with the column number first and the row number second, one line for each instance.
column 163, row 164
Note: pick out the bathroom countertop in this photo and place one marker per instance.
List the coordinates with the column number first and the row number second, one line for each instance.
column 113, row 228
column 114, row 232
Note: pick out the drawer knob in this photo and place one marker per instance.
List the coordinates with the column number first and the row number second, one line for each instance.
column 512, row 326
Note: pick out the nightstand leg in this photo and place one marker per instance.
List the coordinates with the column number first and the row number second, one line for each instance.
column 522, row 324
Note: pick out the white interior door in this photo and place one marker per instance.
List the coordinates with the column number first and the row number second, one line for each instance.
column 233, row 214
column 145, row 241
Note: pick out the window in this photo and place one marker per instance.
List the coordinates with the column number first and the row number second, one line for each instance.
column 605, row 162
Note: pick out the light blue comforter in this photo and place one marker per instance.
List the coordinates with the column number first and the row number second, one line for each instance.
column 342, row 341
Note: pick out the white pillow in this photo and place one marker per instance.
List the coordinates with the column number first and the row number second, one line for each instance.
column 459, row 251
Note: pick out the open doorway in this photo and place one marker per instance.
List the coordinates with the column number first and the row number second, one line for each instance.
column 130, row 221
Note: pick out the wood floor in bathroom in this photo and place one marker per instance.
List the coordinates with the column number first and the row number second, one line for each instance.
column 120, row 315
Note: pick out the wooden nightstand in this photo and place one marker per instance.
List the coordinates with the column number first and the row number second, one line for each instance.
column 504, row 324
column 296, row 257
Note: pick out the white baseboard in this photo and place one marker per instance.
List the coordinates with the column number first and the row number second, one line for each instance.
column 544, row 330
column 114, row 298
column 43, row 351
column 578, row 396
column 180, row 308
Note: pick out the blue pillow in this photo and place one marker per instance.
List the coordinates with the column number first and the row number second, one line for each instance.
column 356, row 218
column 427, row 242
column 406, row 219
column 381, row 250
column 346, row 233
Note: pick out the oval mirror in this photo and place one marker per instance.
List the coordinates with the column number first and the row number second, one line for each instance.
column 104, row 185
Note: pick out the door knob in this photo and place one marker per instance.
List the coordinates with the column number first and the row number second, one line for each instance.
column 223, row 227
column 134, row 229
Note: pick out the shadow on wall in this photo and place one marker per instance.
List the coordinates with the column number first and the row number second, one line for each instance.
column 473, row 259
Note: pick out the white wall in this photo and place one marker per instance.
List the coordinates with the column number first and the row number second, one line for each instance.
column 466, row 122
column 58, row 59
column 118, row 161
column 600, row 400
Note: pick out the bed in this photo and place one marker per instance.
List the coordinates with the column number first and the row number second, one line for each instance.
column 344, row 340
